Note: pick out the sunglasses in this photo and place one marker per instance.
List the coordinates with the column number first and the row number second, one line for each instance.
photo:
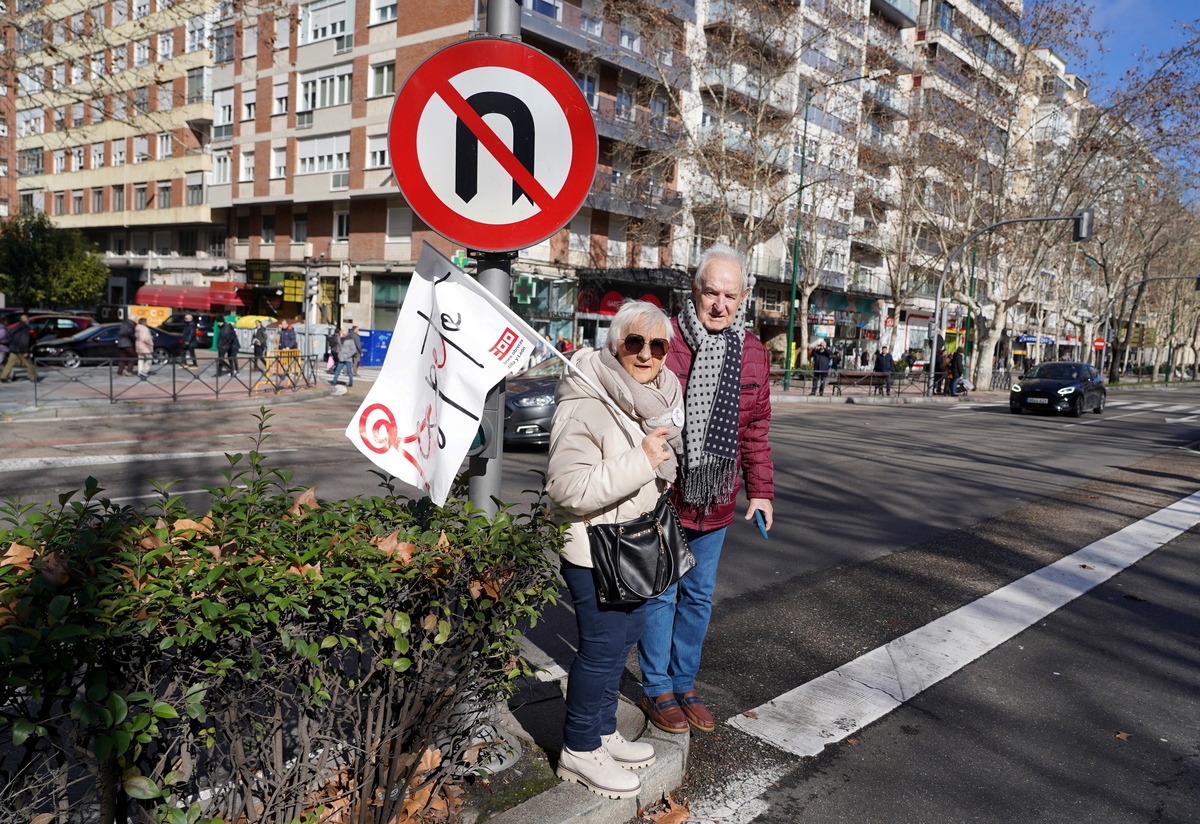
column 635, row 343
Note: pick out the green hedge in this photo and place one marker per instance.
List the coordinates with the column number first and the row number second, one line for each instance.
column 275, row 659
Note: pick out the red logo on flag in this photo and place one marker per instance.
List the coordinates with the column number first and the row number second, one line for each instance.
column 502, row 347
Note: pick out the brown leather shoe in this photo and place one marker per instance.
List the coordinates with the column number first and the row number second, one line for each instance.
column 696, row 713
column 664, row 713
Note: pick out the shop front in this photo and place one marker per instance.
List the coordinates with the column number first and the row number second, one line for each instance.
column 602, row 291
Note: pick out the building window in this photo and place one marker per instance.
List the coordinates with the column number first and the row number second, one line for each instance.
column 341, row 227
column 249, row 41
column 139, row 197
column 118, row 152
column 280, row 105
column 98, row 64
column 321, row 20
column 249, row 98
column 589, row 86
column 97, row 155
column 399, row 225
column 223, row 45
column 198, row 84
column 141, row 149
column 166, row 96
column 120, row 58
column 187, row 242
column 77, row 159
column 323, row 154
column 166, row 46
column 247, row 172
column 268, row 229
column 96, row 105
column 164, row 145
column 163, row 198
column 141, row 100
column 142, row 8
column 77, row 203
column 118, row 198
column 30, row 122
column 60, row 162
column 299, row 228
column 325, row 87
column 383, row 79
column 625, row 104
column 77, row 114
column 547, row 8
column 279, row 162
column 222, row 114
column 629, row 38
column 60, row 74
column 77, row 71
column 195, row 188
column 283, row 27
column 141, row 52
column 377, row 151
column 29, row 162
column 383, row 11
column 221, row 167
column 97, row 201
column 197, row 33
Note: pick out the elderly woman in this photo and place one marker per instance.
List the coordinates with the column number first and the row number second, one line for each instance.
column 608, row 466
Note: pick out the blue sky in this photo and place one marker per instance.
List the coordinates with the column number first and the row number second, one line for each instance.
column 1134, row 25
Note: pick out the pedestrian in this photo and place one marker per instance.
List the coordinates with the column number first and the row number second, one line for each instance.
column 18, row 346
column 333, row 342
column 3, row 343
column 725, row 374
column 821, row 362
column 143, row 345
column 956, row 371
column 939, row 370
column 259, row 344
column 608, row 467
column 863, row 358
column 227, row 349
column 188, row 342
column 358, row 350
column 345, row 349
column 287, row 335
column 886, row 364
column 909, row 359
column 125, row 344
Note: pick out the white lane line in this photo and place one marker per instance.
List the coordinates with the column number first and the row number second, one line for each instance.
column 1144, row 406
column 25, row 464
column 1185, row 407
column 829, row 708
column 1102, row 420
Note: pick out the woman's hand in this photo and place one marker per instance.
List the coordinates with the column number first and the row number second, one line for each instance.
column 655, row 446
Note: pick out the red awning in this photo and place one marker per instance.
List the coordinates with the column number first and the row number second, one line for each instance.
column 226, row 293
column 180, row 297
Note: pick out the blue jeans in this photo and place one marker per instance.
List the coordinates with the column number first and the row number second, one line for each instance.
column 606, row 634
column 677, row 621
column 337, row 370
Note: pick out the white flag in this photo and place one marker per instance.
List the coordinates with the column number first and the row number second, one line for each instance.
column 453, row 342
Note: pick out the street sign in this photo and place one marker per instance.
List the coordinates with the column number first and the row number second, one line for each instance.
column 1098, row 343
column 492, row 144
column 889, row 322
column 258, row 271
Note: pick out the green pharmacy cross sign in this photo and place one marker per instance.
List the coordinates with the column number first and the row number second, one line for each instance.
column 525, row 289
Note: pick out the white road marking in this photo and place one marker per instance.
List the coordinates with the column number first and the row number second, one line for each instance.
column 1101, row 420
column 1117, row 403
column 1189, row 419
column 25, row 464
column 829, row 708
column 738, row 800
column 1144, row 406
column 1186, row 407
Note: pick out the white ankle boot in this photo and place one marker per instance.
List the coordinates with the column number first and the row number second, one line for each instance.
column 632, row 755
column 598, row 772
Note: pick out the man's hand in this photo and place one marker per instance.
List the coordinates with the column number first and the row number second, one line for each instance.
column 762, row 505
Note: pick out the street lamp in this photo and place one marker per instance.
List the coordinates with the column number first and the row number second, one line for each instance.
column 809, row 93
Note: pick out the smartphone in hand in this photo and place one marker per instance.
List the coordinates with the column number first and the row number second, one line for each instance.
column 762, row 524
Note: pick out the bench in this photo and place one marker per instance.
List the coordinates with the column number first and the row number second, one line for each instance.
column 875, row 381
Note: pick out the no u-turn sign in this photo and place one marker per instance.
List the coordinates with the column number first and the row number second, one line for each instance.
column 492, row 144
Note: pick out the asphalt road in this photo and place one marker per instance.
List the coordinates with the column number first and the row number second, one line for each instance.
column 886, row 518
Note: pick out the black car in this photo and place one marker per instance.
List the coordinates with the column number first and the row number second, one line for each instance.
column 1060, row 386
column 529, row 403
column 205, row 323
column 98, row 344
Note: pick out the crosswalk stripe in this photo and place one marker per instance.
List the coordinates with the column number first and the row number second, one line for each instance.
column 832, row 706
column 1144, row 406
column 1184, row 407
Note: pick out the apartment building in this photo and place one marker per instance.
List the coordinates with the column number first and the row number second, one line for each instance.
column 8, row 136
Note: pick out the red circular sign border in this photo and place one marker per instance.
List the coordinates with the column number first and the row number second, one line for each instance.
column 450, row 61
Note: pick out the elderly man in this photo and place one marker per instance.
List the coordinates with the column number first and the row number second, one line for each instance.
column 724, row 371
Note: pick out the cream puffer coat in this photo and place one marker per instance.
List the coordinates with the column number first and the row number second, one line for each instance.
column 598, row 470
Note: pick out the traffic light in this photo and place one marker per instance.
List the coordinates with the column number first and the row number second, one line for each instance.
column 312, row 285
column 1082, row 220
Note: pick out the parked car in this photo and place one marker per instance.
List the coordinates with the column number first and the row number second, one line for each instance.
column 50, row 326
column 529, row 403
column 98, row 343
column 205, row 323
column 1059, row 386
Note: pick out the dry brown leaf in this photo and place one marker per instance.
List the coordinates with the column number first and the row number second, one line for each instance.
column 429, row 622
column 471, row 754
column 1085, row 566
column 851, row 741
column 55, row 570
column 187, row 523
column 750, row 714
column 1124, row 736
column 395, row 549
column 443, row 541
column 305, row 501
column 674, row 814
column 1093, row 497
column 431, row 759
column 43, row 818
column 304, row 569
column 17, row 555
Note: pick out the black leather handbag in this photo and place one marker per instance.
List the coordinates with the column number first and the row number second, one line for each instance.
column 639, row 559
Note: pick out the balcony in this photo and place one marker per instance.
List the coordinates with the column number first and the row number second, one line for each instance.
column 616, row 192
column 902, row 13
column 887, row 97
column 867, row 281
column 750, row 85
column 776, row 152
column 635, row 125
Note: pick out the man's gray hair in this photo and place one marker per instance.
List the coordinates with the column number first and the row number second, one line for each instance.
column 720, row 251
column 630, row 313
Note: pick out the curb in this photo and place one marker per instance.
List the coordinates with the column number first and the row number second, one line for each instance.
column 30, row 413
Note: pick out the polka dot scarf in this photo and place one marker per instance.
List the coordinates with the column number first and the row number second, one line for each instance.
column 711, row 409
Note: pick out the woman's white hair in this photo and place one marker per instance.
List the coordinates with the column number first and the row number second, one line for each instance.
column 633, row 311
column 720, row 251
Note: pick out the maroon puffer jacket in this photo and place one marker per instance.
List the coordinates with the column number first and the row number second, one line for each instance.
column 754, row 421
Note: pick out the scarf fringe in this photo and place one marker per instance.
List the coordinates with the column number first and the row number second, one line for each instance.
column 711, row 483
